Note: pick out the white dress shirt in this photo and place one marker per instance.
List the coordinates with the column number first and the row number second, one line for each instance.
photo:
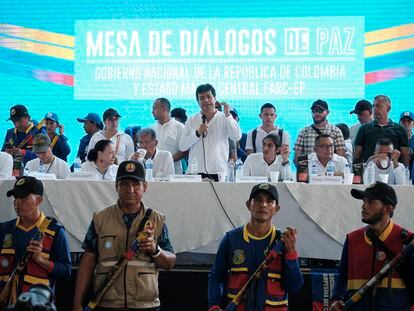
column 214, row 147
column 163, row 165
column 58, row 167
column 262, row 134
column 90, row 166
column 338, row 161
column 168, row 136
column 126, row 145
column 255, row 165
column 396, row 175
column 6, row 165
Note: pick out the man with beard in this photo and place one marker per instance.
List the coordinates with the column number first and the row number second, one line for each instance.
column 306, row 138
column 368, row 249
column 168, row 131
column 381, row 127
column 207, row 133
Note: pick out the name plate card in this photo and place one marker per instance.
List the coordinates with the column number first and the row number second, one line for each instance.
column 324, row 180
column 81, row 175
column 42, row 175
column 185, row 178
column 257, row 179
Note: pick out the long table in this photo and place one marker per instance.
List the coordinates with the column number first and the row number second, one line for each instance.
column 198, row 214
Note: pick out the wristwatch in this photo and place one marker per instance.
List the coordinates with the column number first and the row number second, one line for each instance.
column 157, row 251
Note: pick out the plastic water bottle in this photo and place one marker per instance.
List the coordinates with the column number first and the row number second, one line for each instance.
column 193, row 170
column 314, row 169
column 407, row 180
column 347, row 170
column 230, row 171
column 41, row 167
column 77, row 165
column 239, row 169
column 370, row 175
column 284, row 172
column 330, row 168
column 149, row 164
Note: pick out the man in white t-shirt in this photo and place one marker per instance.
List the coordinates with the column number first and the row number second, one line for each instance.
column 255, row 137
column 323, row 154
column 6, row 165
column 168, row 131
column 46, row 162
column 207, row 134
column 124, row 146
column 163, row 164
column 386, row 163
column 363, row 110
column 274, row 157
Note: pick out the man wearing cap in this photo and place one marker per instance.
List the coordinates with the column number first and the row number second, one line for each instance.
column 50, row 257
column 92, row 123
column 59, row 142
column 255, row 137
column 368, row 249
column 124, row 146
column 381, row 127
column 207, row 133
column 363, row 110
column 46, row 161
column 407, row 121
column 168, row 131
column 306, row 139
column 19, row 139
column 109, row 237
column 243, row 249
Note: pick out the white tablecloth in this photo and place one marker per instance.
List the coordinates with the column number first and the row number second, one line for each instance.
column 196, row 221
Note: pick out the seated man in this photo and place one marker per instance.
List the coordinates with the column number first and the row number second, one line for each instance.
column 50, row 258
column 323, row 154
column 59, row 142
column 386, row 162
column 46, row 162
column 274, row 157
column 163, row 160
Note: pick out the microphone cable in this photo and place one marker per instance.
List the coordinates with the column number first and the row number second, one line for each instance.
column 221, row 205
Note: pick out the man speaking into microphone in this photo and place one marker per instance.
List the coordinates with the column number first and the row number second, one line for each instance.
column 256, row 266
column 206, row 135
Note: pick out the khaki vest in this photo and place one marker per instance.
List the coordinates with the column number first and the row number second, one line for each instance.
column 137, row 286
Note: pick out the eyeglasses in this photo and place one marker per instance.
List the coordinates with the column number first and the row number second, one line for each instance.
column 331, row 146
column 145, row 143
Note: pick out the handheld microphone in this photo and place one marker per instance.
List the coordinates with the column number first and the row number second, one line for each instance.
column 204, row 118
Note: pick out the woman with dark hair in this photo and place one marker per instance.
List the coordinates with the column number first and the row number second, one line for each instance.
column 101, row 160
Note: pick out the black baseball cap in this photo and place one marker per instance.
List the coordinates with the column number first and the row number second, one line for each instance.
column 109, row 113
column 24, row 186
column 265, row 187
column 377, row 191
column 320, row 104
column 17, row 112
column 361, row 106
column 130, row 169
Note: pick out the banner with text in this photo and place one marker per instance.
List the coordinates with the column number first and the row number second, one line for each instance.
column 243, row 58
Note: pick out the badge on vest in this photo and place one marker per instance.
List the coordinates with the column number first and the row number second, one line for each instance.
column 380, row 256
column 8, row 240
column 4, row 263
column 108, row 244
column 238, row 257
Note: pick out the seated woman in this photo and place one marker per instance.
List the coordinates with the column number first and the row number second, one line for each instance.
column 101, row 160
